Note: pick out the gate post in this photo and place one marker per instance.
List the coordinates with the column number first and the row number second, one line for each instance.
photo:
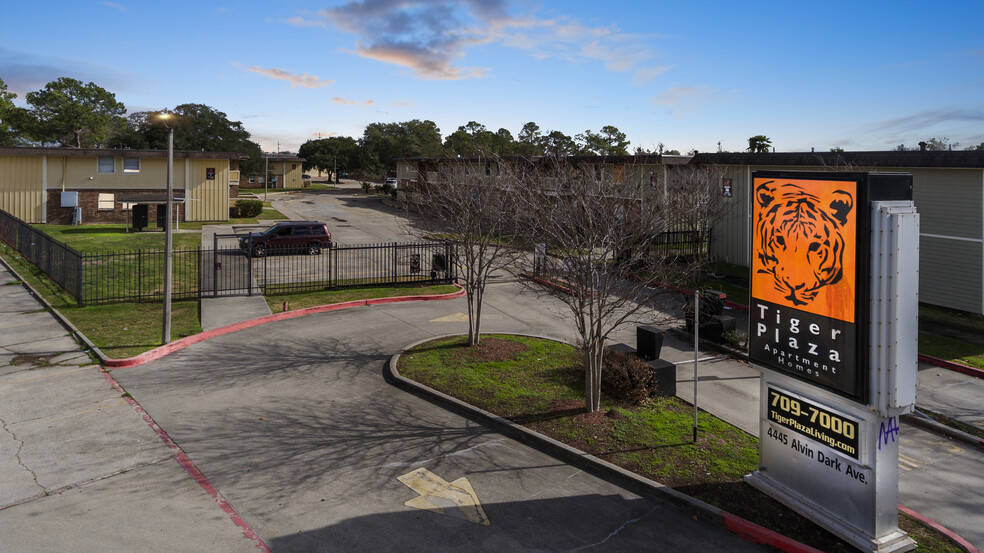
column 215, row 272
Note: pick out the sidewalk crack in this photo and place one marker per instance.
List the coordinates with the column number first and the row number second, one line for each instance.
column 20, row 446
column 615, row 532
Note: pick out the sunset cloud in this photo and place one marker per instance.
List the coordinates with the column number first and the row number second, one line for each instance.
column 303, row 79
column 345, row 102
column 431, row 38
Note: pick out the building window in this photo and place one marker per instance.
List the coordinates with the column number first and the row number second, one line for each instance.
column 106, row 201
column 131, row 165
column 107, row 164
column 293, row 166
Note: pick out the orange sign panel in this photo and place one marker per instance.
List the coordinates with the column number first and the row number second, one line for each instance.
column 803, row 246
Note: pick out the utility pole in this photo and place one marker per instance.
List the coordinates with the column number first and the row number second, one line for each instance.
column 266, row 175
column 168, row 238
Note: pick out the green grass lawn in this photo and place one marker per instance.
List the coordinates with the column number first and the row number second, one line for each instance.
column 539, row 383
column 113, row 237
column 119, row 330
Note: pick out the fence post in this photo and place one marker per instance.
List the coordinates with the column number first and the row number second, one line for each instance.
column 81, row 287
column 140, row 275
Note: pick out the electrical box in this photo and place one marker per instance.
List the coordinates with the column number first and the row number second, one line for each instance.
column 70, row 199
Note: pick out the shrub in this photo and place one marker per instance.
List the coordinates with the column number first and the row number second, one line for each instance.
column 366, row 187
column 386, row 188
column 735, row 339
column 378, row 188
column 249, row 208
column 626, row 377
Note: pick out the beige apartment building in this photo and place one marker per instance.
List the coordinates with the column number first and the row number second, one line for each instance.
column 55, row 185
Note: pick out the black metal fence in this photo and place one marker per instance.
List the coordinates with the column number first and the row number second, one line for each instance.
column 124, row 276
column 61, row 263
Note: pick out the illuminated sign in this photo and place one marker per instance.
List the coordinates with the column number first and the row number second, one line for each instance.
column 804, row 304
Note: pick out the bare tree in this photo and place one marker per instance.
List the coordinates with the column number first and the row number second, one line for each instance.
column 601, row 227
column 469, row 203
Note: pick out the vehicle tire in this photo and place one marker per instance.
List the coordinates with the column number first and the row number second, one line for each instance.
column 259, row 250
column 314, row 249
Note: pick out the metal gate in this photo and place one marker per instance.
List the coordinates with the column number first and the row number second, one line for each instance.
column 226, row 269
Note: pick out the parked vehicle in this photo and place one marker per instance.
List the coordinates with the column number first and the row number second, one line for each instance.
column 392, row 182
column 288, row 237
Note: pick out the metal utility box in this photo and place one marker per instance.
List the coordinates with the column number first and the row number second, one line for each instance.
column 161, row 215
column 139, row 216
column 70, row 199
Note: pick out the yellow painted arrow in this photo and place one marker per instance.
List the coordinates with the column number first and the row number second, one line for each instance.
column 456, row 499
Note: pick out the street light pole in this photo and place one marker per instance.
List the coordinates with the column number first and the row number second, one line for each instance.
column 168, row 242
column 266, row 175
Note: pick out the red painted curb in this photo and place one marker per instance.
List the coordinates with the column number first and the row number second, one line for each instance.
column 189, row 466
column 749, row 531
column 237, row 519
column 958, row 367
column 962, row 543
column 554, row 285
column 177, row 345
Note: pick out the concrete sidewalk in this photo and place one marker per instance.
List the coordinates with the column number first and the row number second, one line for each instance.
column 80, row 469
column 223, row 310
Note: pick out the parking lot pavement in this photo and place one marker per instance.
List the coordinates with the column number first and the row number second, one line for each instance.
column 295, row 425
column 80, row 469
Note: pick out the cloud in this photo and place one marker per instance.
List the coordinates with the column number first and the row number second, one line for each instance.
column 647, row 74
column 295, row 80
column 928, row 118
column 685, row 99
column 345, row 102
column 323, row 134
column 432, row 37
column 115, row 6
column 401, row 103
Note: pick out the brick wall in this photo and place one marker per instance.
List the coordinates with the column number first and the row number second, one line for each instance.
column 91, row 214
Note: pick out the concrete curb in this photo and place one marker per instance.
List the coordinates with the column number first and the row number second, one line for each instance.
column 177, row 345
column 940, row 428
column 958, row 367
column 746, row 530
column 961, row 543
column 189, row 466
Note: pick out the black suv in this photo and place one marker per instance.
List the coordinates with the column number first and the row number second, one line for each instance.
column 288, row 237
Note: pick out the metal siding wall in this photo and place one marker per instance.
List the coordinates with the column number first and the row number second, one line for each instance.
column 949, row 201
column 950, row 273
column 212, row 195
column 152, row 175
column 292, row 177
column 21, row 187
column 729, row 238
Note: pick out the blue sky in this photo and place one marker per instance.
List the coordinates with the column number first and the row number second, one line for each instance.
column 862, row 75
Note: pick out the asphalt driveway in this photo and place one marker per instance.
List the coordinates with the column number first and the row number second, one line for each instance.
column 295, row 425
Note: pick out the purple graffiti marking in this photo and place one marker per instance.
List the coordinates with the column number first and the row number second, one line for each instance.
column 888, row 433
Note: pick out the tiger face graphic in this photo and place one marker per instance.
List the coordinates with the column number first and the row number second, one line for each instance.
column 805, row 233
